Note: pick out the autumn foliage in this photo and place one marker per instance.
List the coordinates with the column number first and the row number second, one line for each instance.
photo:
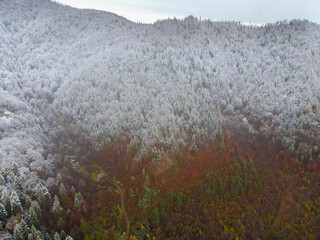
column 238, row 187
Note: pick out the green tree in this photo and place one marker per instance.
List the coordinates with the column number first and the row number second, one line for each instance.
column 17, row 233
column 56, row 236
column 24, row 229
column 43, row 195
column 56, row 208
column 154, row 218
column 34, row 234
column 61, row 223
column 35, row 214
column 15, row 203
column 3, row 212
column 78, row 200
column 63, row 194
column 5, row 200
column 59, row 179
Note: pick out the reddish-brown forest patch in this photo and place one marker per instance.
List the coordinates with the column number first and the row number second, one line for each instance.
column 267, row 192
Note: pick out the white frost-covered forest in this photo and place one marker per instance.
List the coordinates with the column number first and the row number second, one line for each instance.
column 104, row 75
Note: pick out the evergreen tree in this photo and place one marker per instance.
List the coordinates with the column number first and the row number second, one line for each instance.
column 5, row 200
column 3, row 212
column 56, row 208
column 2, row 179
column 17, row 233
column 56, row 236
column 78, row 200
column 18, row 184
column 47, row 236
column 59, row 179
column 15, row 169
column 24, row 229
column 63, row 235
column 43, row 195
column 27, row 201
column 63, row 194
column 34, row 234
column 69, row 238
column 15, row 203
column 35, row 214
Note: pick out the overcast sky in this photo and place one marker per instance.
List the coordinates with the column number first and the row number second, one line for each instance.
column 250, row 11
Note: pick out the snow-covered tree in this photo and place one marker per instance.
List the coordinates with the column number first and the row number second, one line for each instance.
column 34, row 235
column 3, row 212
column 35, row 214
column 16, row 206
column 5, row 200
column 18, row 184
column 15, row 168
column 24, row 229
column 43, row 195
column 56, row 208
column 17, row 233
column 2, row 179
column 56, row 236
column 78, row 200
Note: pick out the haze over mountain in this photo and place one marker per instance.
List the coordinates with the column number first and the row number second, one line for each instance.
column 172, row 82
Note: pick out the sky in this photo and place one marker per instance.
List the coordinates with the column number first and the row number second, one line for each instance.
column 248, row 11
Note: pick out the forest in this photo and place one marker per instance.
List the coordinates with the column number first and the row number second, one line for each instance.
column 181, row 129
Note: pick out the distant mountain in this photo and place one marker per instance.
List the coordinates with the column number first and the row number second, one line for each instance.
column 171, row 81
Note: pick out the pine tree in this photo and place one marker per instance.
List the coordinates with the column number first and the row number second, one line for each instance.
column 34, row 234
column 59, row 179
column 63, row 235
column 17, row 233
column 24, row 229
column 63, row 194
column 43, row 195
column 35, row 214
column 18, row 184
column 15, row 203
column 56, row 208
column 3, row 212
column 56, row 236
column 2, row 179
column 5, row 200
column 78, row 200
column 27, row 201
column 18, row 187
column 15, row 169
column 69, row 238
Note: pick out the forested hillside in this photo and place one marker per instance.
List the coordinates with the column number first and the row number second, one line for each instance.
column 78, row 83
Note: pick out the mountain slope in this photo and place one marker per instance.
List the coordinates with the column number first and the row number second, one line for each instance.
column 175, row 83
